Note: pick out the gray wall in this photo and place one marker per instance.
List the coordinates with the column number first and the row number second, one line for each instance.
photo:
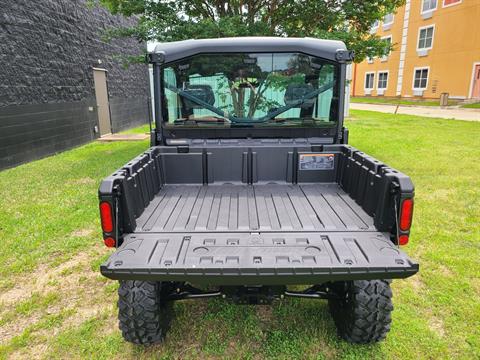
column 47, row 51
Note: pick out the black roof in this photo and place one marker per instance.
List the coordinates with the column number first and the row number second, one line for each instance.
column 176, row 50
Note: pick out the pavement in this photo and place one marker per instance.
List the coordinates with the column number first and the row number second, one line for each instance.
column 123, row 137
column 427, row 111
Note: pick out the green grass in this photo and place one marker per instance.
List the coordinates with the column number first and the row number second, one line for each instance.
column 27, row 307
column 144, row 129
column 398, row 101
column 46, row 206
column 49, row 214
column 472, row 106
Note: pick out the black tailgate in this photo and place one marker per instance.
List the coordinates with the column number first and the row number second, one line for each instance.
column 258, row 258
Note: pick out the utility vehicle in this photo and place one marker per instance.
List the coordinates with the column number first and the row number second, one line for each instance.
column 250, row 193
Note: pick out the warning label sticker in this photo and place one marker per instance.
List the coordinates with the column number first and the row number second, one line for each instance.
column 316, row 161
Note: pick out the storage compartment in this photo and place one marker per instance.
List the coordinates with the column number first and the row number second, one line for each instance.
column 360, row 183
column 272, row 213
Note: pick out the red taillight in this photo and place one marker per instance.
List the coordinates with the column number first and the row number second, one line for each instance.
column 406, row 213
column 109, row 242
column 106, row 216
column 403, row 240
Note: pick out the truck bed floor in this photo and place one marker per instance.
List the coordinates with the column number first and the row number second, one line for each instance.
column 263, row 208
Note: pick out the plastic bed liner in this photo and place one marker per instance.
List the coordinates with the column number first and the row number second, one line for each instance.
column 256, row 234
column 268, row 207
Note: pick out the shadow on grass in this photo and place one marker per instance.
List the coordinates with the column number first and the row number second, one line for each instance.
column 288, row 329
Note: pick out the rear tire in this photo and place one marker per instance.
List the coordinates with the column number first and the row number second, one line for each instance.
column 144, row 315
column 363, row 315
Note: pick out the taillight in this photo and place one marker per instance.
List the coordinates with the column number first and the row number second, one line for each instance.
column 406, row 213
column 402, row 240
column 106, row 216
column 110, row 242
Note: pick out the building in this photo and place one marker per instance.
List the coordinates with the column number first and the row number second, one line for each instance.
column 61, row 84
column 436, row 50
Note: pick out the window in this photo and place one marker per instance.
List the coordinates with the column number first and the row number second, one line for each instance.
column 429, row 5
column 388, row 42
column 374, row 27
column 254, row 89
column 420, row 79
column 388, row 19
column 369, row 80
column 425, row 38
column 447, row 3
column 382, row 80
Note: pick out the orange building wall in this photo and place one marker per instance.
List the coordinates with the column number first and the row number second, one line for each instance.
column 456, row 47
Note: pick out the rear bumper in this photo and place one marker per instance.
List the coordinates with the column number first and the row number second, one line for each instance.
column 258, row 259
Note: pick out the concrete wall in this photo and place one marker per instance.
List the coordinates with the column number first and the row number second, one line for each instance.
column 47, row 99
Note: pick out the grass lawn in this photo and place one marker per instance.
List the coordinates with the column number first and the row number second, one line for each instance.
column 397, row 101
column 55, row 304
column 472, row 106
column 144, row 129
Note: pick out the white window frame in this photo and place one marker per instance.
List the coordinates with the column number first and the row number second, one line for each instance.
column 385, row 57
column 428, row 77
column 391, row 22
column 429, row 11
column 378, row 78
column 446, row 6
column 365, row 80
column 418, row 36
column 374, row 29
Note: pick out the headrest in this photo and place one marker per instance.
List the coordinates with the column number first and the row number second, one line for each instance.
column 200, row 91
column 296, row 92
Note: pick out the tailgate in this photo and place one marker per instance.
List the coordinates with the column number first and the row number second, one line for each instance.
column 258, row 258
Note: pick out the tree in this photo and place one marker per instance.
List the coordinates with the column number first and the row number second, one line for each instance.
column 170, row 20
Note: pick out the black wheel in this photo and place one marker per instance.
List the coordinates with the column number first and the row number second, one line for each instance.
column 363, row 314
column 144, row 317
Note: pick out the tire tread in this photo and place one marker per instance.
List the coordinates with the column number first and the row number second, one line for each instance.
column 366, row 317
column 143, row 317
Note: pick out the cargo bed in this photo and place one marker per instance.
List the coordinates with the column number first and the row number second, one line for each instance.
column 266, row 208
column 269, row 232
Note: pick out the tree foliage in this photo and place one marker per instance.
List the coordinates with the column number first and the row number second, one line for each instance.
column 169, row 20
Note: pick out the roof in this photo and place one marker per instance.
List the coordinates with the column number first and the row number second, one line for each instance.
column 176, row 50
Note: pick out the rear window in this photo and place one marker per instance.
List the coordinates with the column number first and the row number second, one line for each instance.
column 266, row 89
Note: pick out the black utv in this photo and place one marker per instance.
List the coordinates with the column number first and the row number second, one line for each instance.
column 249, row 187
